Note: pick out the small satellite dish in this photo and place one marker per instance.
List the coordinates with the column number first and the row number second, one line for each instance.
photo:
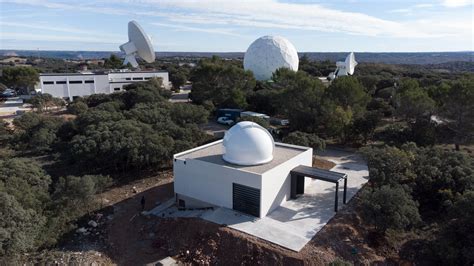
column 138, row 44
column 344, row 68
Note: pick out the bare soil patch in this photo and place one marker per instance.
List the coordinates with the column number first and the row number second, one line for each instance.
column 126, row 237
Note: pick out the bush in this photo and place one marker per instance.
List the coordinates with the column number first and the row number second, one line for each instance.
column 389, row 166
column 24, row 197
column 389, row 207
column 394, row 134
column 77, row 108
column 455, row 246
column 305, row 139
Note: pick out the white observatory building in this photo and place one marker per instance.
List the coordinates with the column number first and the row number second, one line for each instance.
column 269, row 53
column 246, row 171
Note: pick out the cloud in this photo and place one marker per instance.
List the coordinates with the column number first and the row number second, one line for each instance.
column 456, row 3
column 55, row 28
column 58, row 38
column 222, row 31
column 232, row 15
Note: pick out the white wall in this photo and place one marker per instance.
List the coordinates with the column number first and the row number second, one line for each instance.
column 276, row 183
column 103, row 83
column 210, row 182
column 69, row 90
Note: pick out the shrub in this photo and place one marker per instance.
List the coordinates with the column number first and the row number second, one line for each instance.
column 305, row 139
column 77, row 108
column 389, row 207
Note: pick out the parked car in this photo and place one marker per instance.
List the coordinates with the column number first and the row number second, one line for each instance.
column 225, row 121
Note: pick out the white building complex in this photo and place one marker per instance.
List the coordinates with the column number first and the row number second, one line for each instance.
column 246, row 171
column 70, row 85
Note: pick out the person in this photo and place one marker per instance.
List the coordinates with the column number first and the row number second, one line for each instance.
column 143, row 203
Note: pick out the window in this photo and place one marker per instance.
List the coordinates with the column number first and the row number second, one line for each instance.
column 61, row 82
column 116, row 89
column 75, row 82
column 88, row 81
column 138, row 78
column 48, row 82
column 128, row 78
column 148, row 78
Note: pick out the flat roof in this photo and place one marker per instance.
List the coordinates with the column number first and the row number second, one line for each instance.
column 321, row 174
column 212, row 153
column 102, row 73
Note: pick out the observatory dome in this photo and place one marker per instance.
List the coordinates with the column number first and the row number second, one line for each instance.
column 248, row 143
column 269, row 53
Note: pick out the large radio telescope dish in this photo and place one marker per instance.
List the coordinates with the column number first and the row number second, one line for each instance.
column 269, row 53
column 138, row 44
column 350, row 63
column 344, row 68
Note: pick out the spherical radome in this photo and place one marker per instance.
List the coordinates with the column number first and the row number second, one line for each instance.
column 248, row 143
column 269, row 53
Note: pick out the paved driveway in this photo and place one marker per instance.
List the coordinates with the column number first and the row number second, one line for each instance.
column 296, row 222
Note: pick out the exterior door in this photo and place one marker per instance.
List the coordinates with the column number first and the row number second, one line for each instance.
column 246, row 199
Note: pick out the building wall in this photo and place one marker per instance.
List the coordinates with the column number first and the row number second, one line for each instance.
column 64, row 86
column 276, row 183
column 209, row 182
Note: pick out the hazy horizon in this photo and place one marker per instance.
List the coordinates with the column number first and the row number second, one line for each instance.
column 231, row 26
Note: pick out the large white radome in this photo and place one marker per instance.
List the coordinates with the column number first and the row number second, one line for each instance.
column 269, row 53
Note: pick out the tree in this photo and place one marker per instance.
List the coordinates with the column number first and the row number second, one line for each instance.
column 363, row 128
column 77, row 108
column 389, row 166
column 178, row 77
column 459, row 108
column 145, row 92
column 440, row 177
column 23, row 197
column 389, row 207
column 305, row 139
column 455, row 245
column 42, row 102
column 77, row 189
column 224, row 84
column 348, row 93
column 20, row 77
column 36, row 132
column 5, row 132
column 414, row 103
column 299, row 98
column 121, row 145
column 113, row 62
column 20, row 228
column 183, row 114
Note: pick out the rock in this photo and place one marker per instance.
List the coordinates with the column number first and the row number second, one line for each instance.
column 81, row 230
column 134, row 189
column 110, row 217
column 92, row 223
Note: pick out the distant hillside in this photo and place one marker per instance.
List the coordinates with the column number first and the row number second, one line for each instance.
column 388, row 58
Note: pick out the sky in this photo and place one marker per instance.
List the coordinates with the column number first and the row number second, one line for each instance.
column 231, row 26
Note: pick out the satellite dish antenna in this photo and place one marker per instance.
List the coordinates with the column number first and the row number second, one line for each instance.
column 350, row 63
column 344, row 68
column 138, row 44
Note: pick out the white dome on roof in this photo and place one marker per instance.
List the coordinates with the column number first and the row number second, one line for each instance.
column 248, row 143
column 269, row 53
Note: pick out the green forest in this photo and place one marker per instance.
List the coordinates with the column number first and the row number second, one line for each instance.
column 414, row 126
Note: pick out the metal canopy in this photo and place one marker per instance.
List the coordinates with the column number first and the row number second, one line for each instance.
column 297, row 180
